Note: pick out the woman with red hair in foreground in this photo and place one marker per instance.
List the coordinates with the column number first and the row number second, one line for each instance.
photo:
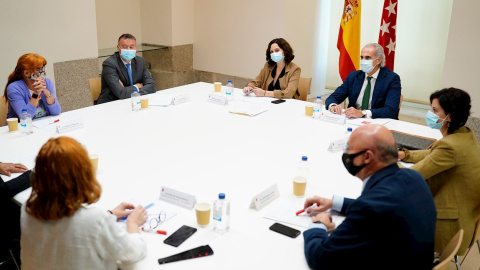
column 60, row 229
column 27, row 88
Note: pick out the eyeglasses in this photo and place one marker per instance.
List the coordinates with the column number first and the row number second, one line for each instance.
column 40, row 69
column 154, row 222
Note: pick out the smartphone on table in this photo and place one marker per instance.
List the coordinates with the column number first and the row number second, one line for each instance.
column 285, row 230
column 180, row 235
column 277, row 101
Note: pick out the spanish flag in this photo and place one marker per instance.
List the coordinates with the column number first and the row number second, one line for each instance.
column 349, row 38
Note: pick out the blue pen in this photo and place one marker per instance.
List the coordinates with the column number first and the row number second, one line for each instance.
column 146, row 207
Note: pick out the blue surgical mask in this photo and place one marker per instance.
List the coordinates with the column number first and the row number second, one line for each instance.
column 128, row 54
column 366, row 65
column 432, row 119
column 277, row 57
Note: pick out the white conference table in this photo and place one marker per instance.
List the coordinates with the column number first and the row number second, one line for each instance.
column 201, row 149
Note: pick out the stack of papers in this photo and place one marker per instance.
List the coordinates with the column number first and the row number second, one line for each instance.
column 248, row 108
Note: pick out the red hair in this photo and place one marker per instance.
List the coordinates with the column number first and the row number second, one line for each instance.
column 63, row 180
column 27, row 62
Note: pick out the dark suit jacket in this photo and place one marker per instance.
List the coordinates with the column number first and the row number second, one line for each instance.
column 386, row 93
column 113, row 70
column 390, row 226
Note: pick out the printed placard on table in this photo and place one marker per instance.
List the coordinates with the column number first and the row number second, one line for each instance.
column 177, row 198
column 265, row 197
column 180, row 99
column 327, row 116
column 217, row 99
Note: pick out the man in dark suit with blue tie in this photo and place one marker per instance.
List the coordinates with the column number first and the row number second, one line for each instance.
column 376, row 95
column 390, row 226
column 123, row 72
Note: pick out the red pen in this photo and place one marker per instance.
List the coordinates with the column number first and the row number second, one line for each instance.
column 303, row 210
column 154, row 231
column 56, row 121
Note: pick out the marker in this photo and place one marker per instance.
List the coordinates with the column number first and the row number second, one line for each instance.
column 56, row 121
column 154, row 231
column 303, row 210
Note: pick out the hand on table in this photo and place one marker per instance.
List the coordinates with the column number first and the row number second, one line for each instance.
column 138, row 216
column 323, row 204
column 259, row 91
column 120, row 82
column 121, row 210
column 9, row 168
column 247, row 90
column 353, row 113
column 326, row 219
column 336, row 109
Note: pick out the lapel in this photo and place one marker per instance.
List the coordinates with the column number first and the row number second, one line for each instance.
column 123, row 70
column 378, row 87
column 379, row 176
column 357, row 87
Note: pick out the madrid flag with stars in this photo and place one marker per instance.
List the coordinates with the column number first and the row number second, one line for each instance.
column 388, row 28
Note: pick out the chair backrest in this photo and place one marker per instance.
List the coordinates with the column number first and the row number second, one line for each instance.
column 474, row 124
column 3, row 111
column 450, row 251
column 95, row 87
column 304, row 87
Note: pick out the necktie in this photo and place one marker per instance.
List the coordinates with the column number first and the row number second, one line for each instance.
column 366, row 95
column 130, row 74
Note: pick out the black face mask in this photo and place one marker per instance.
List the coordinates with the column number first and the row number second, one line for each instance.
column 347, row 160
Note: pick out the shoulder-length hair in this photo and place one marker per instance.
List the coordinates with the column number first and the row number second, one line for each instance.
column 285, row 46
column 28, row 62
column 455, row 102
column 63, row 180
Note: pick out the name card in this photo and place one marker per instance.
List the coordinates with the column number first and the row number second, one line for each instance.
column 336, row 146
column 217, row 99
column 181, row 99
column 333, row 118
column 265, row 197
column 69, row 125
column 177, row 198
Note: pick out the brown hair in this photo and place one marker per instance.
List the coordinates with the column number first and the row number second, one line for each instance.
column 126, row 36
column 28, row 62
column 285, row 46
column 62, row 181
column 455, row 102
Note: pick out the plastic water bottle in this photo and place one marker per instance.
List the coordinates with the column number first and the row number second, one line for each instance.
column 347, row 137
column 303, row 169
column 318, row 107
column 136, row 100
column 221, row 214
column 26, row 122
column 229, row 90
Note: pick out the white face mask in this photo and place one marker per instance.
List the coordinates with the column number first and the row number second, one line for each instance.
column 366, row 65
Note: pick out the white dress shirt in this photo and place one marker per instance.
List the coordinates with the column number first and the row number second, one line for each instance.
column 358, row 104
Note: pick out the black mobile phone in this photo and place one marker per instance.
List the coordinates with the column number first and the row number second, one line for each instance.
column 285, row 230
column 180, row 235
column 278, row 101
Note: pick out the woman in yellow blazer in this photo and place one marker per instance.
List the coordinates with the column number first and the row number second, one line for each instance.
column 279, row 76
column 451, row 167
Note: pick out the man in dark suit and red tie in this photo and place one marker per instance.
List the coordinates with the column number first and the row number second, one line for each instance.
column 374, row 95
column 123, row 72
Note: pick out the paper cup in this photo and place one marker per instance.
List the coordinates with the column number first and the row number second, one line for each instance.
column 144, row 103
column 12, row 124
column 218, row 86
column 309, row 110
column 203, row 214
column 94, row 160
column 299, row 186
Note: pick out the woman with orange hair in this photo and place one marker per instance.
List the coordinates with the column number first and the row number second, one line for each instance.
column 27, row 88
column 59, row 228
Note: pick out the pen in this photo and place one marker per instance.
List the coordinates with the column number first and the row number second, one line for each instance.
column 154, row 231
column 56, row 121
column 146, row 207
column 303, row 210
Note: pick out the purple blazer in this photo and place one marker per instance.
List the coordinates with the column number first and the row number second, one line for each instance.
column 19, row 97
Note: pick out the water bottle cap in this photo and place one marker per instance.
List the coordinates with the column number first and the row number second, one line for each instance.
column 24, row 110
column 349, row 129
column 229, row 81
column 221, row 196
column 304, row 158
column 135, row 90
column 319, row 97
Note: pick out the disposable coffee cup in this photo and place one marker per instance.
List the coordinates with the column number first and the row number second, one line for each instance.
column 299, row 186
column 144, row 103
column 218, row 86
column 12, row 124
column 94, row 160
column 202, row 211
column 309, row 110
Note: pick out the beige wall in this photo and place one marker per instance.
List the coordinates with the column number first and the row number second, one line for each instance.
column 57, row 30
column 111, row 22
column 421, row 42
column 182, row 22
column 156, row 21
column 462, row 57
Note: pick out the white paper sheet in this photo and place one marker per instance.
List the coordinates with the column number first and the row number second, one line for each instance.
column 366, row 121
column 247, row 108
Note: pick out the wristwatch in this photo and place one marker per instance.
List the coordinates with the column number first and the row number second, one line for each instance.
column 35, row 96
column 364, row 114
